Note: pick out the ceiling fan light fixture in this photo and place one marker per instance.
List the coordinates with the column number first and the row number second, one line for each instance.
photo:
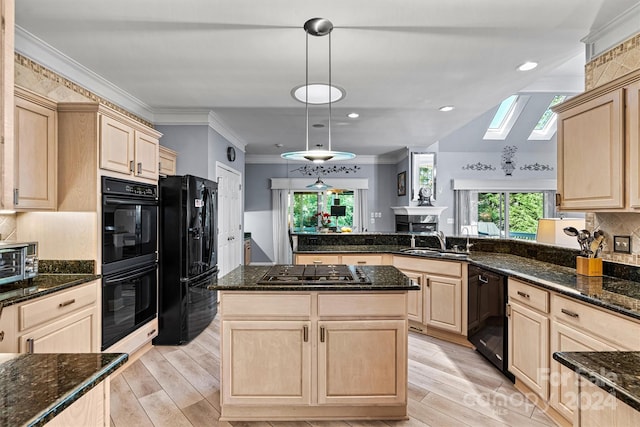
column 319, row 185
column 317, row 27
column 446, row 108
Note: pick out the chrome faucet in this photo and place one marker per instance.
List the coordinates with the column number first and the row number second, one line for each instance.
column 442, row 239
column 466, row 231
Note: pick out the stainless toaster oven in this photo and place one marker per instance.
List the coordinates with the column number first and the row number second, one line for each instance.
column 18, row 261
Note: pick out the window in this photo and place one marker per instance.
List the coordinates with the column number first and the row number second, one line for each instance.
column 503, row 213
column 546, row 126
column 304, row 206
column 505, row 117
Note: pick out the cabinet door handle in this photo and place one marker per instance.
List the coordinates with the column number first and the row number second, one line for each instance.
column 139, row 168
column 131, row 166
column 482, row 280
column 153, row 331
column 16, row 196
column 66, row 303
column 522, row 294
column 322, row 334
column 29, row 345
column 317, row 261
column 426, row 282
column 508, row 310
column 305, row 333
column 362, row 262
column 558, row 199
column 570, row 313
column 1, row 336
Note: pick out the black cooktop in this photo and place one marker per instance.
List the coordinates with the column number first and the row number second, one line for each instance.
column 315, row 274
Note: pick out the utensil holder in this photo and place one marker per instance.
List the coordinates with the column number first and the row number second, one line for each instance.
column 589, row 266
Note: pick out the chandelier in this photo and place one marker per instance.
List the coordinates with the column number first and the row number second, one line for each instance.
column 317, row 27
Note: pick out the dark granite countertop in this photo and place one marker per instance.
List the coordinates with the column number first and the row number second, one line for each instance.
column 617, row 372
column 612, row 293
column 383, row 278
column 34, row 388
column 43, row 284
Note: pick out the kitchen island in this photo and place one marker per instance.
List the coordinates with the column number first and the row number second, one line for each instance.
column 313, row 349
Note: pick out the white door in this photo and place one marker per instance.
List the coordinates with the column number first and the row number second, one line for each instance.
column 229, row 219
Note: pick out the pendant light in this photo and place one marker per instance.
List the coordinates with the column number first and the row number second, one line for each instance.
column 317, row 27
column 319, row 185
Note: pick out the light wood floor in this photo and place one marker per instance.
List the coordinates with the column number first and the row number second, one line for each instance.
column 449, row 385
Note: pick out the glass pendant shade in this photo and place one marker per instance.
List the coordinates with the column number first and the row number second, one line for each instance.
column 317, row 27
column 319, row 185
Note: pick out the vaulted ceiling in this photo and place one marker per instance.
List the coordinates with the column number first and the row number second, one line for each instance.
column 399, row 61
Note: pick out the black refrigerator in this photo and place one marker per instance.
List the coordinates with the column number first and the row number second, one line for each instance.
column 187, row 257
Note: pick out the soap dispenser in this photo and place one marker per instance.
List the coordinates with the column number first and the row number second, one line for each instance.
column 413, row 241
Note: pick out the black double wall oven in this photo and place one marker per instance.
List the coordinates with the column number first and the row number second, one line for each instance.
column 129, row 257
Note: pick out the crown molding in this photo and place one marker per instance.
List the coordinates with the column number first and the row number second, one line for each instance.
column 616, row 31
column 219, row 126
column 48, row 56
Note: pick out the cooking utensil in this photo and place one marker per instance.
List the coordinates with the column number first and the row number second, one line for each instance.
column 596, row 243
column 570, row 231
column 583, row 241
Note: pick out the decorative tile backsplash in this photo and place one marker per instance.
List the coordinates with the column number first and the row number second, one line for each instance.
column 614, row 63
column 8, row 227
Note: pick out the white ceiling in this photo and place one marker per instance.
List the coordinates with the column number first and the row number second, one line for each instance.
column 398, row 60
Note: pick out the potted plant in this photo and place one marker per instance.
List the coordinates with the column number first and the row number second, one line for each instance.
column 325, row 221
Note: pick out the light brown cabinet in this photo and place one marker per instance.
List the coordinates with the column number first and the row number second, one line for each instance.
column 283, row 346
column 35, row 152
column 359, row 362
column 441, row 304
column 94, row 140
column 528, row 342
column 63, row 322
column 6, row 102
column 168, row 159
column 599, row 148
column 334, row 355
column 127, row 150
column 597, row 408
column 346, row 258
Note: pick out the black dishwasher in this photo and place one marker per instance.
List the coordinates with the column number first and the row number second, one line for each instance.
column 487, row 321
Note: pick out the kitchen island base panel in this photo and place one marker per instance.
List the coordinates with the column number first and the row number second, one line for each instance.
column 314, row 413
column 439, row 333
column 315, row 340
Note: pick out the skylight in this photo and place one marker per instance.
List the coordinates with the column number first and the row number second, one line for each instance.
column 546, row 126
column 505, row 116
column 504, row 109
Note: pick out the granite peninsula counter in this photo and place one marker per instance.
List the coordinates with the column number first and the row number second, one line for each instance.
column 37, row 388
column 313, row 351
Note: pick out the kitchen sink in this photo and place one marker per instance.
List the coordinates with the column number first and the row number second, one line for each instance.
column 434, row 253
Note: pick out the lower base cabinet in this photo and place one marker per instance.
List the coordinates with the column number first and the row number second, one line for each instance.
column 358, row 362
column 313, row 355
column 267, row 361
column 91, row 410
column 597, row 408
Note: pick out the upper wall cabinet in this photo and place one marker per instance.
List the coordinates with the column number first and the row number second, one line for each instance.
column 598, row 148
column 6, row 102
column 35, row 151
column 168, row 159
column 94, row 140
column 126, row 150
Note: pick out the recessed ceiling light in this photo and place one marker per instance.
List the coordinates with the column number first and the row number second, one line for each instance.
column 318, row 93
column 528, row 66
column 446, row 108
column 353, row 115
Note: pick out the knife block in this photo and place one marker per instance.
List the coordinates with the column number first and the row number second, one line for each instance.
column 589, row 266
